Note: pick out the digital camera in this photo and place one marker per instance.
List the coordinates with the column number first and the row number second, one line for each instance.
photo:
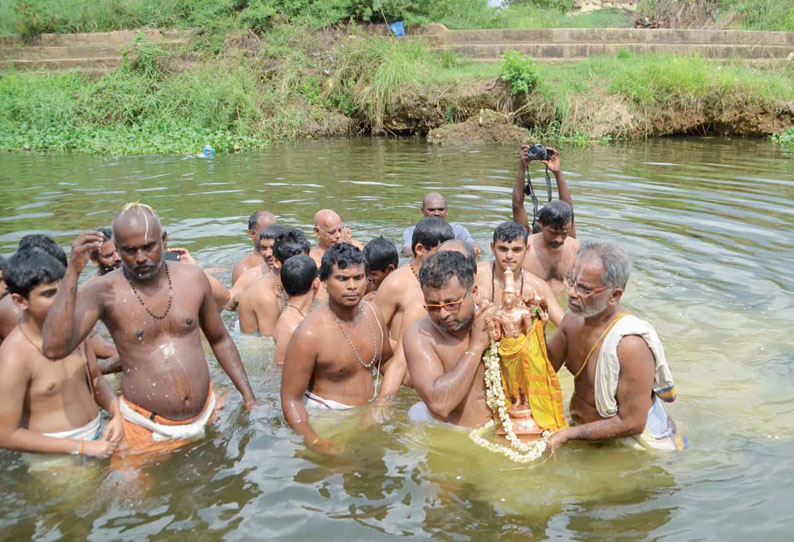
column 537, row 152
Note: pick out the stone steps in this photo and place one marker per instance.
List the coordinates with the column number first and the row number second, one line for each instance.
column 119, row 38
column 572, row 51
column 662, row 36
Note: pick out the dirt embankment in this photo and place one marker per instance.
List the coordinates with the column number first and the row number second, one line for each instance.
column 485, row 112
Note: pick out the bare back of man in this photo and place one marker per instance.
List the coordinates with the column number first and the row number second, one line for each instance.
column 260, row 307
column 398, row 292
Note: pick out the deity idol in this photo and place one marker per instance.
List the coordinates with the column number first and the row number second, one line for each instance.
column 532, row 392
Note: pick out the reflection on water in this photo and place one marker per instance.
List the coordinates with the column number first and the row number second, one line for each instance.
column 707, row 223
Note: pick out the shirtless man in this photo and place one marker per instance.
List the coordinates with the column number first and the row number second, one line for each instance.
column 49, row 407
column 256, row 223
column 328, row 229
column 552, row 250
column 106, row 258
column 332, row 355
column 443, row 350
column 300, row 281
column 435, row 204
column 267, row 265
column 263, row 301
column 509, row 248
column 401, row 289
column 633, row 356
column 155, row 311
column 382, row 259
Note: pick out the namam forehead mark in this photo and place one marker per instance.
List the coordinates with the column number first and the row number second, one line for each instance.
column 135, row 218
column 588, row 270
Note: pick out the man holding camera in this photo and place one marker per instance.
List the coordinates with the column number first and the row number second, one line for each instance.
column 552, row 250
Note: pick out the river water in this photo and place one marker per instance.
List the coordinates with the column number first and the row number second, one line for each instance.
column 708, row 225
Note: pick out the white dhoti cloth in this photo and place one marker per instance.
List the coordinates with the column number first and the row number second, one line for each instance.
column 89, row 431
column 315, row 403
column 41, row 462
column 161, row 432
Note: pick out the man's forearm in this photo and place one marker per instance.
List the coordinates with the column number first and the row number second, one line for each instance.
column 610, row 428
column 451, row 388
column 393, row 375
column 25, row 440
column 104, row 396
column 229, row 358
column 565, row 195
column 58, row 333
column 297, row 417
column 519, row 213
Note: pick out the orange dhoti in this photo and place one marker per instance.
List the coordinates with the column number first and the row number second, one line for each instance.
column 526, row 368
column 146, row 432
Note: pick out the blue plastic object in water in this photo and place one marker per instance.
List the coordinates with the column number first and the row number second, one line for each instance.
column 398, row 28
column 207, row 151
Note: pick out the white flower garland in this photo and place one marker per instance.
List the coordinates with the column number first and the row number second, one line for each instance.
column 495, row 399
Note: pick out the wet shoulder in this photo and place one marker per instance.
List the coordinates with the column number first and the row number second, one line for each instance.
column 16, row 352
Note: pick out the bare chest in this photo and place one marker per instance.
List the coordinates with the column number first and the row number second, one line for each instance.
column 52, row 379
column 134, row 317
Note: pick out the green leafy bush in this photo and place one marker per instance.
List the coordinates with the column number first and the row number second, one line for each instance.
column 520, row 72
column 785, row 139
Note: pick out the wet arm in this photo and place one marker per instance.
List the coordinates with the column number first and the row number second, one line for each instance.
column 565, row 195
column 103, row 392
column 386, row 301
column 557, row 347
column 635, row 388
column 519, row 212
column 299, row 365
column 442, row 392
column 555, row 310
column 222, row 345
column 71, row 317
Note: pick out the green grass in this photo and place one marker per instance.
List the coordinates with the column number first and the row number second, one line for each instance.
column 784, row 139
column 298, row 80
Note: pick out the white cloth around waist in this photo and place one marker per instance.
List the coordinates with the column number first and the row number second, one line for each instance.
column 160, row 432
column 314, row 402
column 89, row 431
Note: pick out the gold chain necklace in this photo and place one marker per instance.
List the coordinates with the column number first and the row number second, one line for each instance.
column 376, row 351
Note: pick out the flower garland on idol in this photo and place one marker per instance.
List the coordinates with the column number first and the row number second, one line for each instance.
column 519, row 452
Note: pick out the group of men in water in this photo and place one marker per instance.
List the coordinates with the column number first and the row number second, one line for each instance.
column 343, row 316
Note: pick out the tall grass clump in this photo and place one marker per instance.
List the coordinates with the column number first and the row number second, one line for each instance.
column 784, row 139
column 520, row 73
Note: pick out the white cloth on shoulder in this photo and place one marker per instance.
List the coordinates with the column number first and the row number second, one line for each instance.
column 160, row 432
column 660, row 431
column 608, row 366
column 315, row 403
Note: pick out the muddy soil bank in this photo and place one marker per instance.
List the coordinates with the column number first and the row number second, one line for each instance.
column 455, row 116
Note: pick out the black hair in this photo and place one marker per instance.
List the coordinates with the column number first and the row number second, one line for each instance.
column 508, row 232
column 431, row 231
column 3, row 262
column 297, row 274
column 380, row 253
column 107, row 235
column 29, row 267
column 343, row 255
column 555, row 214
column 106, row 232
column 45, row 243
column 471, row 257
column 289, row 243
column 441, row 267
column 271, row 231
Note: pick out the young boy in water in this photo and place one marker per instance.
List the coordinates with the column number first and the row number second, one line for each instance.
column 49, row 406
column 382, row 259
column 300, row 280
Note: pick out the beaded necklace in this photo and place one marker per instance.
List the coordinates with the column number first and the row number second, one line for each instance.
column 140, row 299
column 376, row 351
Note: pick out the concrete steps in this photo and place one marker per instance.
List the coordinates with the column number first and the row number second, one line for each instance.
column 91, row 53
column 576, row 51
column 570, row 44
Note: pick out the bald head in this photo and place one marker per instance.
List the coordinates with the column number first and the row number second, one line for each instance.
column 140, row 239
column 434, row 204
column 260, row 220
column 458, row 245
column 137, row 218
column 327, row 227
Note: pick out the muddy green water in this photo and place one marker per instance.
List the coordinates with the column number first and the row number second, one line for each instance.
column 708, row 224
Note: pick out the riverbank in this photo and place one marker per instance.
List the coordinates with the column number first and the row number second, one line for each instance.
column 298, row 82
